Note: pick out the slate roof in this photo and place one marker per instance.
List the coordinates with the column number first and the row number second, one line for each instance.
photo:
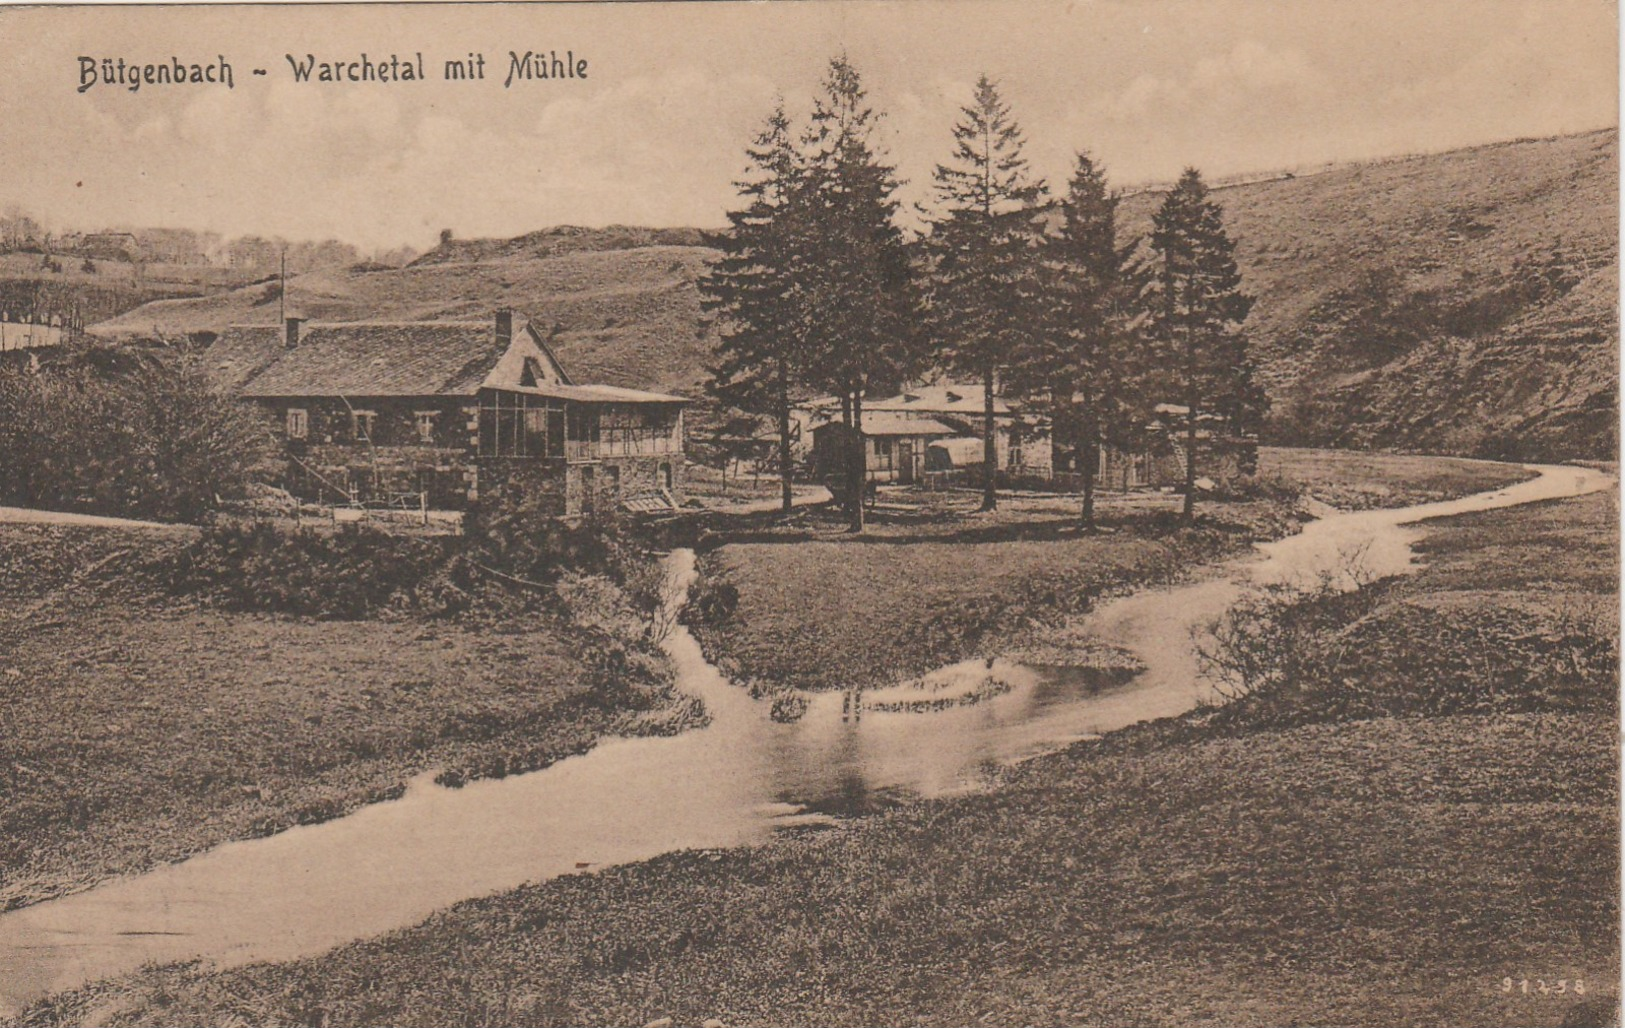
column 961, row 400
column 240, row 353
column 419, row 358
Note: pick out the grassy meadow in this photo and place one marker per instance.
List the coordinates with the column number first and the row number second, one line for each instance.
column 1408, row 869
column 138, row 728
column 939, row 582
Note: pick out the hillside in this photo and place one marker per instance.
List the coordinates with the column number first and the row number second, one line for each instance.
column 1463, row 302
column 619, row 306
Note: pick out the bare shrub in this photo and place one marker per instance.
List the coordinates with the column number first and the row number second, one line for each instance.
column 1286, row 633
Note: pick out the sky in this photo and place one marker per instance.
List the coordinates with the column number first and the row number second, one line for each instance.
column 655, row 133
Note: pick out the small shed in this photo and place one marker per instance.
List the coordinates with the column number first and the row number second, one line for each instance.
column 894, row 446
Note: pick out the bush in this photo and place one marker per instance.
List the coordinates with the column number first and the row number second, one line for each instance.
column 1278, row 638
column 1269, row 487
column 350, row 574
column 1286, row 657
column 143, row 438
column 712, row 602
column 518, row 532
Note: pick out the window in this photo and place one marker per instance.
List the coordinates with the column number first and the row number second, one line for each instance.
column 589, row 490
column 361, row 422
column 612, row 482
column 518, row 425
column 637, row 430
column 424, row 420
column 665, row 476
column 555, row 432
column 298, row 423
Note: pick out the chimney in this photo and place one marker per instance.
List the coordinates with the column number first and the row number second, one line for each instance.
column 504, row 327
column 291, row 328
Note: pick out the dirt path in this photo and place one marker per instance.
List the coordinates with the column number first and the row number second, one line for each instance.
column 29, row 516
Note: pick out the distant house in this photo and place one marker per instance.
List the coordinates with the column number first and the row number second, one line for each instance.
column 31, row 333
column 1158, row 459
column 933, row 434
column 893, row 445
column 951, row 409
column 386, row 411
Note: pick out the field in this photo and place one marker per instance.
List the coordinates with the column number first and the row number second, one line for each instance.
column 818, row 609
column 1408, row 870
column 137, row 728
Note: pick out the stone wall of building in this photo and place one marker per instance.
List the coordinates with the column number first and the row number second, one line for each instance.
column 390, row 461
column 542, row 482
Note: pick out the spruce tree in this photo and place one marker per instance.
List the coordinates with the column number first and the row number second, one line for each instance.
column 1197, row 309
column 1079, row 369
column 854, row 268
column 984, row 266
column 752, row 289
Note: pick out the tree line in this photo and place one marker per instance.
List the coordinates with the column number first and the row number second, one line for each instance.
column 818, row 290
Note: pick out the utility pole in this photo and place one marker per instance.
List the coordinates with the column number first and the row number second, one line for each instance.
column 282, row 289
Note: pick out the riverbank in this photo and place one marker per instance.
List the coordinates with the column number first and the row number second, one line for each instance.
column 137, row 727
column 934, row 581
column 1390, row 870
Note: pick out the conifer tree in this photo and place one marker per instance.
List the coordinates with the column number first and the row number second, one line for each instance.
column 1080, row 368
column 1197, row 309
column 984, row 265
column 752, row 290
column 854, row 268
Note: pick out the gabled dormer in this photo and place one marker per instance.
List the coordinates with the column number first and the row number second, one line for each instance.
column 526, row 361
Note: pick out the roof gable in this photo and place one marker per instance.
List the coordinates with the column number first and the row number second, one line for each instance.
column 528, row 363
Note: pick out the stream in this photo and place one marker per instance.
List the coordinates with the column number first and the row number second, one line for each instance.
column 732, row 783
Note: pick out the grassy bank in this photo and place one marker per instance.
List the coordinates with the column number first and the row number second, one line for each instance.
column 1351, row 480
column 1384, row 873
column 833, row 613
column 138, row 727
column 934, row 581
column 1335, row 868
column 1389, row 870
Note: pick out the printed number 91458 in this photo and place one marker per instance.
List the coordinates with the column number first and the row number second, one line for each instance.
column 1542, row 987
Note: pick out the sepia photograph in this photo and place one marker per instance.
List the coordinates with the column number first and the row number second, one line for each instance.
column 831, row 512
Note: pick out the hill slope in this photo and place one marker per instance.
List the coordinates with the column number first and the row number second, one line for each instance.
column 1463, row 302
column 619, row 305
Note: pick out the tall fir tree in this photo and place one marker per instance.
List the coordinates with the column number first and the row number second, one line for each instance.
column 854, row 271
column 752, row 290
column 1197, row 308
column 984, row 265
column 1080, row 369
